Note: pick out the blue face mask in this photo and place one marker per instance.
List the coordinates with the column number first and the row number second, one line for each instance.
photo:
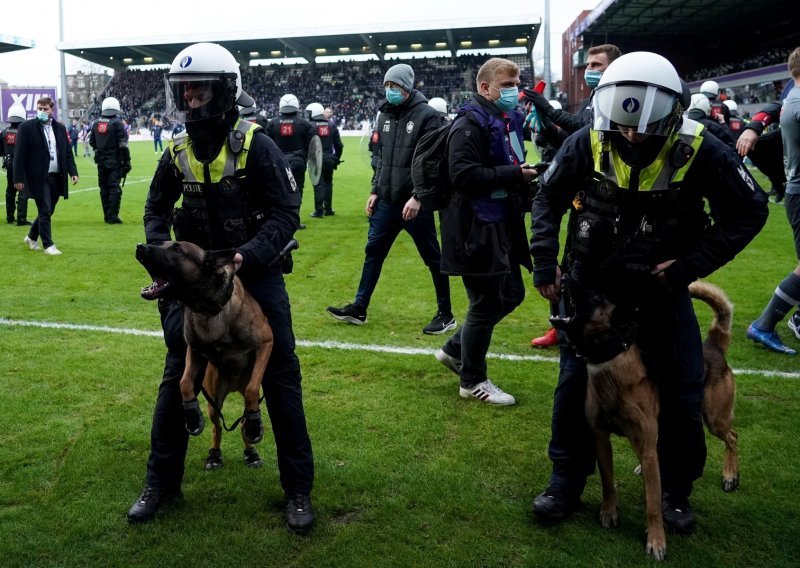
column 43, row 116
column 394, row 96
column 508, row 98
column 592, row 78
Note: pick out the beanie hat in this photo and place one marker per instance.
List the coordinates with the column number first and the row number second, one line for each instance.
column 401, row 74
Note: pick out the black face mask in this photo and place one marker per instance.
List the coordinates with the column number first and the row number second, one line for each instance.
column 208, row 135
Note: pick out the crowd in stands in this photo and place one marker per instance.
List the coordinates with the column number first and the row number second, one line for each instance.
column 755, row 61
column 354, row 89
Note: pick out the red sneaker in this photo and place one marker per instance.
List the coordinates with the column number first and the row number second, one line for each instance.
column 549, row 339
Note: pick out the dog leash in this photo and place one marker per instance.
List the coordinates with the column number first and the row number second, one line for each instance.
column 218, row 410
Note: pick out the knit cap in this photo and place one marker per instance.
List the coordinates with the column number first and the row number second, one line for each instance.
column 401, row 74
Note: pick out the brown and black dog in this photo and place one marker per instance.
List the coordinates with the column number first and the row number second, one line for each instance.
column 622, row 398
column 223, row 325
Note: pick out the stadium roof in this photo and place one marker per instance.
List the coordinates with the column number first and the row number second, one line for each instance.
column 309, row 43
column 14, row 43
column 708, row 32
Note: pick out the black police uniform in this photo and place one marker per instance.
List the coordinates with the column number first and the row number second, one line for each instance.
column 256, row 213
column 612, row 233
column 112, row 156
column 13, row 197
column 332, row 149
column 292, row 133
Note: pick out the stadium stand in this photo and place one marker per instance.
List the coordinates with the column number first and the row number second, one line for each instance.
column 353, row 88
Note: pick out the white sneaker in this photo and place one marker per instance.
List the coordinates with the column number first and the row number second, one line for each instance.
column 52, row 250
column 487, row 391
column 33, row 245
column 449, row 361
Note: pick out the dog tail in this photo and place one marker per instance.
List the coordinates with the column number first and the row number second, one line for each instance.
column 720, row 331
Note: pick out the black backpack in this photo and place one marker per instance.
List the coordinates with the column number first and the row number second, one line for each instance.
column 430, row 171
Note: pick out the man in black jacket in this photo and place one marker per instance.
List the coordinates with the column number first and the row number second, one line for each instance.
column 236, row 194
column 42, row 163
column 483, row 230
column 637, row 182
column 112, row 156
column 405, row 117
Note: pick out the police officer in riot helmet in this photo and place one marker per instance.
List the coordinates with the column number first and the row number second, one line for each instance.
column 109, row 140
column 719, row 111
column 636, row 181
column 251, row 114
column 8, row 141
column 292, row 133
column 237, row 193
column 332, row 149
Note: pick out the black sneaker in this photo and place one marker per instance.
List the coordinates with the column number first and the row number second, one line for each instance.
column 794, row 324
column 299, row 513
column 555, row 503
column 441, row 323
column 149, row 502
column 349, row 313
column 317, row 214
column 677, row 513
column 330, row 212
column 23, row 223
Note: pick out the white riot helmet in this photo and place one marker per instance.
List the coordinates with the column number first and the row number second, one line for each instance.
column 732, row 106
column 247, row 112
column 315, row 111
column 439, row 105
column 701, row 102
column 204, row 81
column 555, row 104
column 110, row 107
column 639, row 90
column 16, row 114
column 288, row 104
column 710, row 88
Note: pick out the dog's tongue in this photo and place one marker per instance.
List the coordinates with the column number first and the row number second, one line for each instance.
column 154, row 290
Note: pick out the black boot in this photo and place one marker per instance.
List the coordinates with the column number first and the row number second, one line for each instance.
column 22, row 209
column 253, row 426
column 104, row 203
column 149, row 502
column 299, row 513
column 114, row 201
column 193, row 417
column 677, row 513
column 555, row 503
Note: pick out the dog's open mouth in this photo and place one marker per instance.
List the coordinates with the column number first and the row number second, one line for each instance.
column 155, row 290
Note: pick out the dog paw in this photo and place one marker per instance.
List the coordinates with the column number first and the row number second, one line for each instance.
column 214, row 459
column 730, row 483
column 252, row 459
column 253, row 427
column 656, row 549
column 609, row 519
column 193, row 417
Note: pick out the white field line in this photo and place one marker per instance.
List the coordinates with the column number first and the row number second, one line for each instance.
column 73, row 192
column 344, row 346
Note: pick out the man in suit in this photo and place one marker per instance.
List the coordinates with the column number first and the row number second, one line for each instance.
column 42, row 163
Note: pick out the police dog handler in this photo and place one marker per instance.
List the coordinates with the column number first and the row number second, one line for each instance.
column 237, row 193
column 636, row 181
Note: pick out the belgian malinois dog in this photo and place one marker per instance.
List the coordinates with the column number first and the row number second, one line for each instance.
column 622, row 398
column 223, row 325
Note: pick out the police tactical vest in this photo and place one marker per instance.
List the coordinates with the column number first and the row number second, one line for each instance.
column 9, row 140
column 103, row 132
column 288, row 135
column 215, row 208
column 638, row 208
column 325, row 136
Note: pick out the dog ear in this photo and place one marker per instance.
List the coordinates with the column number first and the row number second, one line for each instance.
column 217, row 259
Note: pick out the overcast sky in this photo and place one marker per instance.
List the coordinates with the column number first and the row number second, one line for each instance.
column 120, row 19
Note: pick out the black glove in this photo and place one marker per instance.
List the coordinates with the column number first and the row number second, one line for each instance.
column 126, row 168
column 542, row 104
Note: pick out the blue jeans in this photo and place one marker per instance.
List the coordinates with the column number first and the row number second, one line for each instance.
column 669, row 338
column 491, row 298
column 282, row 390
column 385, row 225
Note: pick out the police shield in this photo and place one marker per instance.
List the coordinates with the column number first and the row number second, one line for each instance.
column 315, row 160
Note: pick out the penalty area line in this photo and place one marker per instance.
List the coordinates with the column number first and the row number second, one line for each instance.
column 342, row 346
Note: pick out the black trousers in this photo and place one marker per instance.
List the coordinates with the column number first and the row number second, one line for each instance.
column 15, row 200
column 323, row 191
column 281, row 384
column 46, row 204
column 108, row 177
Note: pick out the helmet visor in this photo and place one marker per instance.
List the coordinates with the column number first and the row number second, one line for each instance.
column 197, row 97
column 643, row 109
